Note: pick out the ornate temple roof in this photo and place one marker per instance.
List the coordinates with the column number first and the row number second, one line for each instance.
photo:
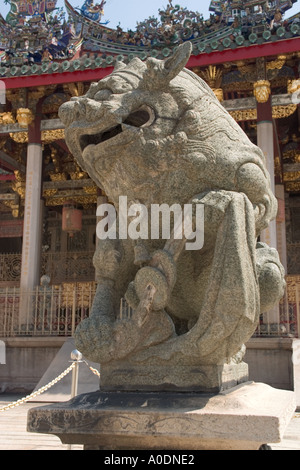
column 36, row 38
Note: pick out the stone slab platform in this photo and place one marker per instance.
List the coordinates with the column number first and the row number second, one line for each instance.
column 243, row 418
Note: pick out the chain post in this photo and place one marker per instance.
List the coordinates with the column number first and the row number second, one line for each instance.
column 76, row 356
column 38, row 392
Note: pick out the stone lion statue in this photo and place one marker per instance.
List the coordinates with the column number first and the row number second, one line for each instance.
column 155, row 132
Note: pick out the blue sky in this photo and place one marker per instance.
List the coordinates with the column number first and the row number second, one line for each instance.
column 128, row 12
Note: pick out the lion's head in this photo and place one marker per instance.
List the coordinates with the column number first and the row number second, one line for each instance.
column 154, row 131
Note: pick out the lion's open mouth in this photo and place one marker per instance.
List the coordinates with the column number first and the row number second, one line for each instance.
column 141, row 118
column 95, row 139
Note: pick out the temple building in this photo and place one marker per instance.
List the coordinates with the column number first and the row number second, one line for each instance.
column 247, row 52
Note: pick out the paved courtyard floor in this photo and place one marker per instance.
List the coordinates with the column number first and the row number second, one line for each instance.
column 13, row 434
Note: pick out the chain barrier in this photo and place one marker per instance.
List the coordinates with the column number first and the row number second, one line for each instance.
column 95, row 371
column 46, row 387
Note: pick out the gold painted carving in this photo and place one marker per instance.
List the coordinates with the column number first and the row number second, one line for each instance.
column 245, row 68
column 293, row 86
column 278, row 168
column 292, row 187
column 248, row 85
column 7, row 118
column 244, row 115
column 213, row 78
column 279, row 112
column 292, row 154
column 78, row 174
column 75, row 89
column 17, row 97
column 58, row 176
column 25, row 117
column 49, row 192
column 92, row 190
column 23, row 97
column 219, row 94
column 86, row 201
column 277, row 64
column 291, row 176
column 14, row 206
column 84, row 291
column 293, row 283
column 19, row 185
column 262, row 90
column 19, row 137
column 52, row 136
column 46, row 136
column 238, row 86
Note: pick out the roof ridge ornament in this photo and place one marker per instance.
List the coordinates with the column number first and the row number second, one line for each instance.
column 93, row 11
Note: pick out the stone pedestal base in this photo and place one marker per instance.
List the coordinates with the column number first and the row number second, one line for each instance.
column 207, row 379
column 242, row 418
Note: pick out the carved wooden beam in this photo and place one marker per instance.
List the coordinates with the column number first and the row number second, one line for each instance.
column 11, row 162
column 239, row 104
column 68, row 184
column 7, row 197
column 46, row 125
column 51, row 125
column 291, row 167
column 250, row 103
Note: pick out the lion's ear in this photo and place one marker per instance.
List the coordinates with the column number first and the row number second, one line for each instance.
column 119, row 65
column 178, row 61
column 159, row 73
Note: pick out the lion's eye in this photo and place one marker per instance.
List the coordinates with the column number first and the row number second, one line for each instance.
column 103, row 95
column 143, row 117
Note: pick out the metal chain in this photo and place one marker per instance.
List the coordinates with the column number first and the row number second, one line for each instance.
column 38, row 392
column 95, row 371
column 46, row 387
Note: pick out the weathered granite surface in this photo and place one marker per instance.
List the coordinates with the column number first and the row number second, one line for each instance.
column 153, row 131
column 243, row 418
column 204, row 378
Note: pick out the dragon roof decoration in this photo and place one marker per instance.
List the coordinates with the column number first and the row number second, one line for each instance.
column 37, row 38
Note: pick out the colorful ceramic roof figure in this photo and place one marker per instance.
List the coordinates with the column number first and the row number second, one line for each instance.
column 255, row 11
column 36, row 7
column 84, row 42
column 34, row 31
column 253, row 5
column 91, row 11
column 235, row 22
column 25, row 8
